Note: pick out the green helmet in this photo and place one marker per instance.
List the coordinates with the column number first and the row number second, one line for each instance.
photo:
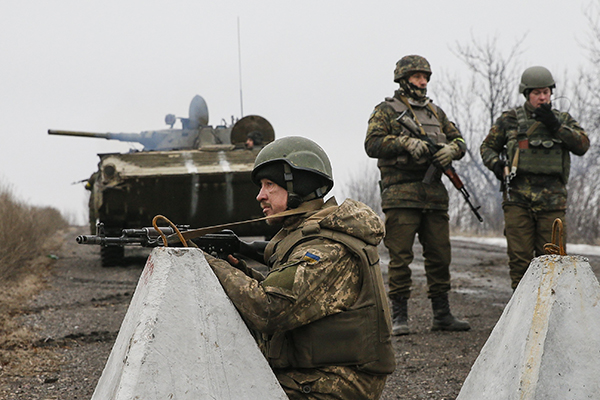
column 297, row 164
column 534, row 78
column 408, row 65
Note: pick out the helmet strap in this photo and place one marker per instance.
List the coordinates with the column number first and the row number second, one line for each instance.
column 288, row 177
column 294, row 200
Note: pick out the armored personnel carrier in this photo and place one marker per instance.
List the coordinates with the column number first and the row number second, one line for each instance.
column 198, row 175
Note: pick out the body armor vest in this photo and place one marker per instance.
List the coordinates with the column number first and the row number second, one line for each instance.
column 539, row 152
column 357, row 337
column 404, row 168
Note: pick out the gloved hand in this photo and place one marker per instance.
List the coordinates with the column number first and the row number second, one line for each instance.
column 446, row 154
column 545, row 115
column 498, row 169
column 415, row 147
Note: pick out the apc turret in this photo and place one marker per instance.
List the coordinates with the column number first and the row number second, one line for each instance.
column 194, row 133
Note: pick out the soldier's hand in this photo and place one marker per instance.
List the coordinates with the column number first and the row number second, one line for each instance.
column 239, row 264
column 545, row 115
column 498, row 169
column 446, row 154
column 415, row 147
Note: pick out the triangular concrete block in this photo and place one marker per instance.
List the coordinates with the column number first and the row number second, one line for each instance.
column 182, row 338
column 546, row 344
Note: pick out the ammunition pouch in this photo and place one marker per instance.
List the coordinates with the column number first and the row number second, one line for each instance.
column 546, row 158
column 540, row 152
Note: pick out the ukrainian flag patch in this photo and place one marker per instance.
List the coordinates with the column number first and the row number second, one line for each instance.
column 311, row 258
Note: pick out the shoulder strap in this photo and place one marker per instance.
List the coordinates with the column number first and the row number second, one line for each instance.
column 522, row 136
column 522, row 122
column 368, row 254
column 433, row 110
column 397, row 106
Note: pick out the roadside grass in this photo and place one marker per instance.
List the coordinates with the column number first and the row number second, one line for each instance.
column 28, row 237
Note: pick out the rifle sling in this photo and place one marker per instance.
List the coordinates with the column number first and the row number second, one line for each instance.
column 521, row 117
column 305, row 207
column 407, row 104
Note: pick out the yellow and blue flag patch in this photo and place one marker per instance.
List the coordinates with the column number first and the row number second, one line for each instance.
column 311, row 258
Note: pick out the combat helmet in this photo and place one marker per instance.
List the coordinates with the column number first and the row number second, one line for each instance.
column 536, row 77
column 408, row 65
column 297, row 164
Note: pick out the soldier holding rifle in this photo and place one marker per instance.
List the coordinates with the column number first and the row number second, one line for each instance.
column 528, row 149
column 413, row 207
column 321, row 310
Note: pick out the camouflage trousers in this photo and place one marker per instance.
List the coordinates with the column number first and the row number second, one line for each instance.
column 330, row 383
column 526, row 234
column 432, row 228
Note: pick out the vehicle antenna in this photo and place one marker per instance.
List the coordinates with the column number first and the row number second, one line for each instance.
column 240, row 68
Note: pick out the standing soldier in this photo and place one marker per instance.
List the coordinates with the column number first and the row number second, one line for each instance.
column 537, row 141
column 412, row 206
column 322, row 309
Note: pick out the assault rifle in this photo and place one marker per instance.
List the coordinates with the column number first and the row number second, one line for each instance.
column 506, row 175
column 216, row 244
column 449, row 171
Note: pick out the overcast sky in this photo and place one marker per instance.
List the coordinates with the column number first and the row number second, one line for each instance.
column 312, row 68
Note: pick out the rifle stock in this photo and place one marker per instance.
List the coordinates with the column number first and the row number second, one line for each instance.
column 506, row 176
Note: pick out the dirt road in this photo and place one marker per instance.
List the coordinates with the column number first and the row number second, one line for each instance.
column 77, row 318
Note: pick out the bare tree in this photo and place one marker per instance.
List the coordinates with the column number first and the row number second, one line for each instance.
column 490, row 89
column 474, row 105
column 493, row 73
column 584, row 188
column 363, row 185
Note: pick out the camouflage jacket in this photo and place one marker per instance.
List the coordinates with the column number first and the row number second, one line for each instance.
column 317, row 279
column 401, row 176
column 542, row 190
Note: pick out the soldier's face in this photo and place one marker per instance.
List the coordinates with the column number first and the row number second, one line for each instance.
column 419, row 79
column 540, row 96
column 272, row 198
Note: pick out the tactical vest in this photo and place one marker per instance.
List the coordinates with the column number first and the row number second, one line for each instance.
column 404, row 168
column 540, row 152
column 357, row 337
column 426, row 116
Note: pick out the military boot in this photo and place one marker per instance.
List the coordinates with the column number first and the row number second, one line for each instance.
column 399, row 315
column 443, row 320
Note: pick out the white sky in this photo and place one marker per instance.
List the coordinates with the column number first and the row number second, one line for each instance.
column 312, row 68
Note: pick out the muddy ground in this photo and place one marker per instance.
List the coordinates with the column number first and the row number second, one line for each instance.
column 75, row 321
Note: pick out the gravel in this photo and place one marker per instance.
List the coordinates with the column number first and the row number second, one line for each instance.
column 75, row 321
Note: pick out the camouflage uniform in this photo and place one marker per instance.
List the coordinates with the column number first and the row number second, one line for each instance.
column 411, row 206
column 538, row 193
column 307, row 305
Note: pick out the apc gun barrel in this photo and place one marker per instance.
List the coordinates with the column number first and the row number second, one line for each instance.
column 124, row 137
column 77, row 133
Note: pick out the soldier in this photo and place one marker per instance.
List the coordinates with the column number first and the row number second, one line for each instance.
column 411, row 206
column 321, row 309
column 254, row 138
column 537, row 194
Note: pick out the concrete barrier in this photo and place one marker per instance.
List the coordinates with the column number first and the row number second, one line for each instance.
column 546, row 344
column 182, row 338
